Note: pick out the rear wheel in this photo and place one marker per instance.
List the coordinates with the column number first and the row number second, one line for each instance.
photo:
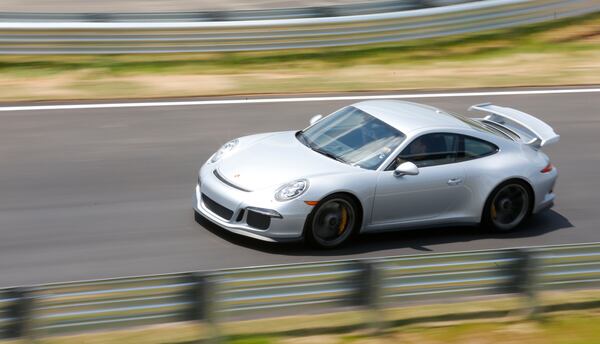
column 507, row 207
column 333, row 222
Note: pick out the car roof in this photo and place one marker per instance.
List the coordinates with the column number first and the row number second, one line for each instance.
column 408, row 116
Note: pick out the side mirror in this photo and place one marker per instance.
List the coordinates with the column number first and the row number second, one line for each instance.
column 406, row 169
column 315, row 119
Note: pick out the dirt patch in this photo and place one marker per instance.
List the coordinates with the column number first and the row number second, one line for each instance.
column 174, row 84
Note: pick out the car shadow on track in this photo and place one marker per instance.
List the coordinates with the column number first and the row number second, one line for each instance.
column 417, row 239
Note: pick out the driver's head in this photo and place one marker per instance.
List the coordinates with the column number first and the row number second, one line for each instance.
column 418, row 146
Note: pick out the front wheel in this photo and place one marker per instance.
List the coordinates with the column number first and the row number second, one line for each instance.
column 508, row 205
column 333, row 222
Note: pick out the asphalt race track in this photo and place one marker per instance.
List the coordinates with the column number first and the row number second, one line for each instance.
column 107, row 192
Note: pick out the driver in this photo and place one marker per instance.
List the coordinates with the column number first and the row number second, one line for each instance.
column 417, row 147
column 414, row 152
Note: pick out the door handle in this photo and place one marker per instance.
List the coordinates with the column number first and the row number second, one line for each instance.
column 454, row 181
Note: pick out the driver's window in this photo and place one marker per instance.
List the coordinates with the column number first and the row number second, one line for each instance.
column 429, row 150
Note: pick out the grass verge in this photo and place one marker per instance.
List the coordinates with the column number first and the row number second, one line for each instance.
column 569, row 317
column 563, row 52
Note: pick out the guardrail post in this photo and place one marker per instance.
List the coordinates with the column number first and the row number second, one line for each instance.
column 422, row 4
column 216, row 15
column 368, row 291
column 323, row 11
column 203, row 300
column 98, row 17
column 20, row 314
column 523, row 280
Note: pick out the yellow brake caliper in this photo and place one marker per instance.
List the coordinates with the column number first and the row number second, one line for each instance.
column 493, row 211
column 343, row 222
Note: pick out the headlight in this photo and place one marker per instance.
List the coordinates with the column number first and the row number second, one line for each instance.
column 291, row 190
column 226, row 148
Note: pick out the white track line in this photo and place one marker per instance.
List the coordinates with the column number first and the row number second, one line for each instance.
column 291, row 100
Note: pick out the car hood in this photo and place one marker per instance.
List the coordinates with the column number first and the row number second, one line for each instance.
column 274, row 160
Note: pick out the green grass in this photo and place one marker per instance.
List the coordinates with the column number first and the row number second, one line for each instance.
column 566, row 328
column 560, row 52
column 580, row 327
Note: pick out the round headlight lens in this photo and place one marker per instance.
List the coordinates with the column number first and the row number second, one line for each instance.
column 226, row 148
column 291, row 190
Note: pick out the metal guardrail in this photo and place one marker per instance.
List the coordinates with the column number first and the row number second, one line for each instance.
column 291, row 289
column 98, row 35
column 259, row 14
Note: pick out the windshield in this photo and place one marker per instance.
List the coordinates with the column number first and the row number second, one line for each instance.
column 353, row 137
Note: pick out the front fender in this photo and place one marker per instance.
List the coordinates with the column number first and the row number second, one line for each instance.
column 360, row 184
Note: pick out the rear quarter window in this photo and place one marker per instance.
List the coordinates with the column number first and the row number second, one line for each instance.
column 473, row 148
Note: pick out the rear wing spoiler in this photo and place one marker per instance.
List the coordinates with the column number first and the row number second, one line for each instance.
column 532, row 130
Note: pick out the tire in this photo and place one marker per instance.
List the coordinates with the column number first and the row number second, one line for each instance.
column 334, row 222
column 508, row 205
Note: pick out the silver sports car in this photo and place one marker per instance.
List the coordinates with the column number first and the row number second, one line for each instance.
column 377, row 166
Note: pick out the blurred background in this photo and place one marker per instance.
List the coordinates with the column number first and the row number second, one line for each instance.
column 95, row 190
column 68, row 6
column 133, row 49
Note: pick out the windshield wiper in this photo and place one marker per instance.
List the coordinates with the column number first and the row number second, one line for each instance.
column 302, row 138
column 313, row 146
column 328, row 154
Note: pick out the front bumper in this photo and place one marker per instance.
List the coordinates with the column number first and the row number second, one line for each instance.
column 288, row 226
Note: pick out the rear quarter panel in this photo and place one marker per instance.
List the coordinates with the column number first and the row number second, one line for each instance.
column 512, row 161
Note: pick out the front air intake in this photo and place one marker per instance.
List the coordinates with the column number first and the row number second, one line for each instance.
column 217, row 208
